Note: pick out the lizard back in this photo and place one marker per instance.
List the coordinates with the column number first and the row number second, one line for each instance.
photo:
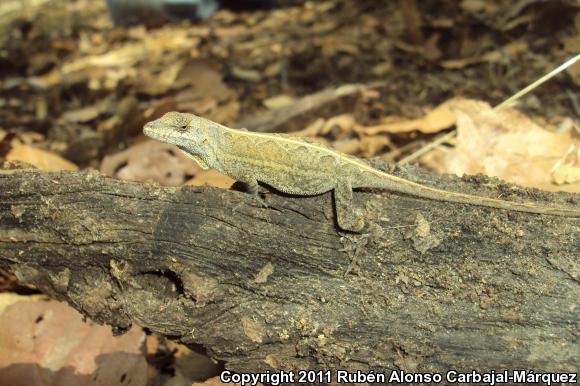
column 290, row 164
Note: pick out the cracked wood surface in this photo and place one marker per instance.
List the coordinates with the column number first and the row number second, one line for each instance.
column 433, row 286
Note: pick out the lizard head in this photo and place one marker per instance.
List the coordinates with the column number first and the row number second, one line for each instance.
column 188, row 131
column 173, row 127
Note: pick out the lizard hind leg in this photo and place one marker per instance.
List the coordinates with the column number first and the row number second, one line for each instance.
column 343, row 203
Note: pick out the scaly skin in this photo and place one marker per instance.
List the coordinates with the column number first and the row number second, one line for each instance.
column 299, row 166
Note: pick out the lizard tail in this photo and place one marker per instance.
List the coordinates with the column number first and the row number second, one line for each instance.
column 397, row 184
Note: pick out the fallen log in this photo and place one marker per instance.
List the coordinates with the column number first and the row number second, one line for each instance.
column 431, row 286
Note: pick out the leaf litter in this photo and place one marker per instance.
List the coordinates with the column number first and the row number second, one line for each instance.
column 376, row 80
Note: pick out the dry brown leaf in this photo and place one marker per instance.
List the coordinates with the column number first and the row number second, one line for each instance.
column 103, row 66
column 371, row 146
column 440, row 118
column 84, row 114
column 246, row 74
column 279, row 101
column 478, row 6
column 26, row 138
column 213, row 178
column 567, row 170
column 490, row 57
column 348, row 145
column 159, row 84
column 271, row 120
column 566, row 174
column 312, row 130
column 574, row 72
column 9, row 298
column 47, row 343
column 572, row 46
column 274, row 69
column 192, row 365
column 152, row 348
column 205, row 93
column 504, row 144
column 152, row 344
column 31, row 137
column 341, row 126
column 205, row 80
column 39, row 158
column 227, row 112
column 214, row 382
column 382, row 68
column 151, row 161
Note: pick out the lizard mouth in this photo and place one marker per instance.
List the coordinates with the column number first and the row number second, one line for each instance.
column 157, row 131
column 149, row 129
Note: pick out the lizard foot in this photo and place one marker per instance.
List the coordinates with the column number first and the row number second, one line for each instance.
column 261, row 203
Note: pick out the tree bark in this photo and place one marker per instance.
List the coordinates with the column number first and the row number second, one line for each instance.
column 429, row 287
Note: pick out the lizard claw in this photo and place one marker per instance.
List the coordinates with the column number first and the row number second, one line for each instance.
column 261, row 202
column 256, row 197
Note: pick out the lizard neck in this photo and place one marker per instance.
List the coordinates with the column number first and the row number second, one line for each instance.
column 205, row 146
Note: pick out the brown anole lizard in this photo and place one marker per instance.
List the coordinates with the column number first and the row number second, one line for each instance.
column 300, row 166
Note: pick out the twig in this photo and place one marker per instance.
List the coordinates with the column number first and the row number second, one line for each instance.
column 428, row 147
column 502, row 105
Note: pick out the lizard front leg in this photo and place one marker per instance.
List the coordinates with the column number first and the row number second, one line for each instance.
column 252, row 187
column 345, row 216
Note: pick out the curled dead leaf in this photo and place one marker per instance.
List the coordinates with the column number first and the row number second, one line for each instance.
column 47, row 342
column 150, row 161
column 567, row 170
column 341, row 126
column 279, row 101
column 211, row 177
column 39, row 158
column 511, row 49
column 348, row 145
column 371, row 146
column 504, row 144
column 440, row 118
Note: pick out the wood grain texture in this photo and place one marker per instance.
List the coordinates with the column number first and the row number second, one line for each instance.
column 434, row 286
